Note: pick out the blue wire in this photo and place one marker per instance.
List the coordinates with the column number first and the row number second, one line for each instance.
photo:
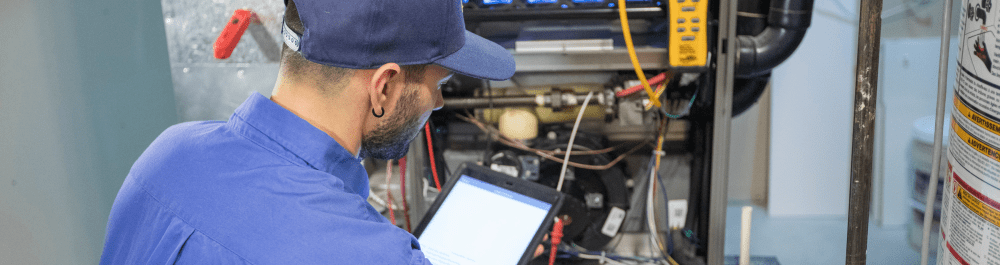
column 663, row 189
column 686, row 110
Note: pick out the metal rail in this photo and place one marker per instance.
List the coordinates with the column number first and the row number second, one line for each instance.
column 718, row 197
column 938, row 130
column 863, row 137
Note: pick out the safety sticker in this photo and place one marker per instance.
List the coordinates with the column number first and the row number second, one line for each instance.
column 976, row 116
column 978, row 203
column 975, row 143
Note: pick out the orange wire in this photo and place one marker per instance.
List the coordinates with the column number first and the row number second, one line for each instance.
column 430, row 151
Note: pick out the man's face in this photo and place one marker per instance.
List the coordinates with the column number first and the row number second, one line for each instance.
column 392, row 135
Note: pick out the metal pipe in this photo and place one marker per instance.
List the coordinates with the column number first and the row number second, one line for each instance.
column 561, row 100
column 479, row 103
column 787, row 22
column 938, row 130
column 863, row 136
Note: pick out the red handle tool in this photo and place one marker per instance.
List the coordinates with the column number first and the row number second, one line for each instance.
column 232, row 33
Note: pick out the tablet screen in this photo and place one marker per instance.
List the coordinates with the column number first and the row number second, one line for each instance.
column 481, row 223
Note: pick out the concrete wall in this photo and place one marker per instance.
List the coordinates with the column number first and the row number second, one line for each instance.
column 84, row 88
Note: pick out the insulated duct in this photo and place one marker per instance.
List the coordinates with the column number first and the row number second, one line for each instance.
column 787, row 21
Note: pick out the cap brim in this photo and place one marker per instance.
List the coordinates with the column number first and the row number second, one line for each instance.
column 480, row 58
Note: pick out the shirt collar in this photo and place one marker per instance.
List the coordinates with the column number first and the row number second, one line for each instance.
column 261, row 118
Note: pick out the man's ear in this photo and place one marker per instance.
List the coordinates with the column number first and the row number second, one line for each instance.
column 377, row 85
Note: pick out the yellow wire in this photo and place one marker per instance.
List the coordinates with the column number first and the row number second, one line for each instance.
column 659, row 143
column 672, row 261
column 631, row 53
column 659, row 91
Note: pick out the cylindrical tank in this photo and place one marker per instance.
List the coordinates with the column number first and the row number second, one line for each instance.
column 970, row 214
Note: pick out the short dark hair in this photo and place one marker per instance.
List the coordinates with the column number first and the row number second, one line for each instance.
column 293, row 62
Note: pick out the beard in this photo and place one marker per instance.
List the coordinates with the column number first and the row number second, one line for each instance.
column 392, row 135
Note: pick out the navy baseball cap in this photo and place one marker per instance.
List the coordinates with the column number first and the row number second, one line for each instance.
column 365, row 34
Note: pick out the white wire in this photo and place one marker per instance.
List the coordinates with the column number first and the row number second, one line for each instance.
column 650, row 209
column 651, row 214
column 378, row 200
column 602, row 259
column 572, row 136
column 427, row 186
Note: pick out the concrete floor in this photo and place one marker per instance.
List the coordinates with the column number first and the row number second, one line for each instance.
column 815, row 240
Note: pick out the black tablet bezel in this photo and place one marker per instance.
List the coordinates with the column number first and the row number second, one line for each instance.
column 524, row 187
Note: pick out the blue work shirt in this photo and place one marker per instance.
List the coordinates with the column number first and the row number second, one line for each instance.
column 265, row 187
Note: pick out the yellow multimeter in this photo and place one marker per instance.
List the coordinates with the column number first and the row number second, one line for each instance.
column 688, row 35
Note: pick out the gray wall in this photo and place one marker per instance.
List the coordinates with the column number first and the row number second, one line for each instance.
column 84, row 88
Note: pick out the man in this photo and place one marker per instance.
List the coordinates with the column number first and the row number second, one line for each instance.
column 281, row 182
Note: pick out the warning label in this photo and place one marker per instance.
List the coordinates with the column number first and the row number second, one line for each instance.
column 970, row 213
column 976, row 116
column 972, row 230
column 973, row 153
column 982, row 206
column 975, row 143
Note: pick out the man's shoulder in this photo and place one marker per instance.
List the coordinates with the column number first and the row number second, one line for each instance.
column 202, row 159
column 192, row 131
column 195, row 142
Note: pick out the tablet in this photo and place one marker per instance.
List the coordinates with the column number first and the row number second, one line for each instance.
column 486, row 217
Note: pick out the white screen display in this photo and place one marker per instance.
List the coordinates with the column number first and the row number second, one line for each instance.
column 480, row 223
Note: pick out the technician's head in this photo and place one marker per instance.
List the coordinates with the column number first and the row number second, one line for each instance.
column 397, row 52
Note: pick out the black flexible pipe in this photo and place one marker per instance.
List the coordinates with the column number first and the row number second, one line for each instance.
column 746, row 92
column 751, row 16
column 787, row 22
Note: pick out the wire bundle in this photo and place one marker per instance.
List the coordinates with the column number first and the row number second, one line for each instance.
column 549, row 154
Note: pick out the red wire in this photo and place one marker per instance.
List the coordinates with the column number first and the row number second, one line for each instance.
column 402, row 190
column 430, row 151
column 556, row 235
column 388, row 191
column 632, row 90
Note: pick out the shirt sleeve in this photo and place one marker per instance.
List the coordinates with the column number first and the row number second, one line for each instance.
column 199, row 249
column 418, row 258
